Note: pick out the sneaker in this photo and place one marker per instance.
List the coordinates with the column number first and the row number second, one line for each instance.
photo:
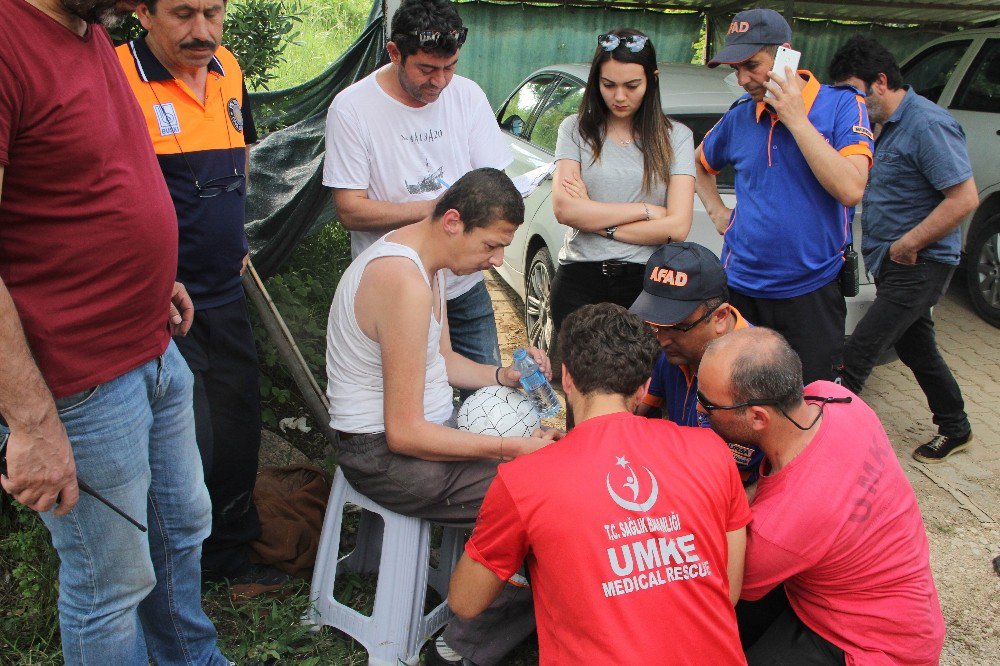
column 940, row 447
column 440, row 654
column 258, row 579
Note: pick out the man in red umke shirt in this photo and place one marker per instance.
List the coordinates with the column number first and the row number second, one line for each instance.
column 633, row 529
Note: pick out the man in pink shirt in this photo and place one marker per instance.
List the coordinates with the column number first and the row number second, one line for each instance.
column 835, row 520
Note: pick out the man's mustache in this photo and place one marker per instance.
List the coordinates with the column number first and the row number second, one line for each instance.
column 198, row 44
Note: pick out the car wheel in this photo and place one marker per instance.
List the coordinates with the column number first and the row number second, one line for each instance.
column 537, row 302
column 983, row 268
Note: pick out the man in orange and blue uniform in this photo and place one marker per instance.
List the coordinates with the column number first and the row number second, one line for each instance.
column 194, row 100
column 685, row 299
column 801, row 158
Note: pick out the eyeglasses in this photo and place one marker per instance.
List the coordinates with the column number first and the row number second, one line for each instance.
column 824, row 401
column 633, row 43
column 451, row 39
column 681, row 328
column 216, row 186
column 710, row 407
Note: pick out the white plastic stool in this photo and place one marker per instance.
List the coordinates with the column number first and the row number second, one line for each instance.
column 400, row 552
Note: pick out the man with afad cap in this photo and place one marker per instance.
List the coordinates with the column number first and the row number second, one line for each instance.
column 685, row 300
column 801, row 158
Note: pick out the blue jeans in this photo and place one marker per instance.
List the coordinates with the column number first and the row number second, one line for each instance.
column 473, row 328
column 122, row 593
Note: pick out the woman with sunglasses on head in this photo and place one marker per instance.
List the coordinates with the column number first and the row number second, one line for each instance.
column 624, row 179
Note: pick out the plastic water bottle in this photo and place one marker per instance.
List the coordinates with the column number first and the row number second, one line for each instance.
column 536, row 385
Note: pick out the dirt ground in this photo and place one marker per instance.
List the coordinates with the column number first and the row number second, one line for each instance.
column 960, row 498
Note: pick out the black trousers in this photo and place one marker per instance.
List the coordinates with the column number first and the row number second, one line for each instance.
column 773, row 635
column 583, row 283
column 221, row 353
column 586, row 282
column 812, row 323
column 901, row 318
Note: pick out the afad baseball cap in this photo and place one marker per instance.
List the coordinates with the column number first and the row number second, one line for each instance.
column 679, row 277
column 750, row 31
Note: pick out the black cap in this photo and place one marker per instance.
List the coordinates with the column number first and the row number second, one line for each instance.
column 679, row 277
column 749, row 32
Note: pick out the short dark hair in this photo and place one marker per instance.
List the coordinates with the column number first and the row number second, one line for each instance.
column 416, row 16
column 765, row 368
column 865, row 58
column 607, row 349
column 482, row 197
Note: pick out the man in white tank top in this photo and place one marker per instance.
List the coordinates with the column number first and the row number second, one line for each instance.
column 390, row 369
column 397, row 139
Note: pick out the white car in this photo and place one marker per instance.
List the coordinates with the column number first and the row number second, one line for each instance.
column 693, row 95
column 961, row 72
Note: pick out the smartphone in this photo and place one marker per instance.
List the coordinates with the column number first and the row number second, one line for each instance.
column 785, row 57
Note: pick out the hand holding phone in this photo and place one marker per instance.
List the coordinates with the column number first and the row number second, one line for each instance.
column 785, row 57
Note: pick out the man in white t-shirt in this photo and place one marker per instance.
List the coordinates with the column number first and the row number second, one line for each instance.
column 398, row 138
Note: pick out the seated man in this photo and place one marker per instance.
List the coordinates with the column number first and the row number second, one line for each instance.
column 391, row 367
column 685, row 299
column 835, row 519
column 633, row 528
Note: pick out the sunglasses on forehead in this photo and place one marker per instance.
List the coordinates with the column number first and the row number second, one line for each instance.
column 633, row 43
column 429, row 39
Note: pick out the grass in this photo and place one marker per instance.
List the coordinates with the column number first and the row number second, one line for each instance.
column 328, row 27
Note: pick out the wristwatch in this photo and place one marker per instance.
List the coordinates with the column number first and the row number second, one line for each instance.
column 610, row 232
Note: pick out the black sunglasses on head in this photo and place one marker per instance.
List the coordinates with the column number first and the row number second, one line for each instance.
column 634, row 43
column 429, row 39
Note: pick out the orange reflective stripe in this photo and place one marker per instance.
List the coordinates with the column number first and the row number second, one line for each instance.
column 175, row 116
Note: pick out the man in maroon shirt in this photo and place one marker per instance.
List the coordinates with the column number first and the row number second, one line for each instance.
column 91, row 384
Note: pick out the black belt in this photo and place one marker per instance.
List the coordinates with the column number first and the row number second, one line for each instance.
column 615, row 268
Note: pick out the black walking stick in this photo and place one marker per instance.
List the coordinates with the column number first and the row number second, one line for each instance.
column 83, row 486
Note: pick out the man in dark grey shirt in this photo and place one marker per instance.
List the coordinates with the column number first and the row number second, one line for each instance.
column 919, row 190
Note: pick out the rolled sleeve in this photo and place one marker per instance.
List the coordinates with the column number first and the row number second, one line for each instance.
column 944, row 155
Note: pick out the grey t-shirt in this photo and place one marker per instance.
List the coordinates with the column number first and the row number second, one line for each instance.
column 616, row 178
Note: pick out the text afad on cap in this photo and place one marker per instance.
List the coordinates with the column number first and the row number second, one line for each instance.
column 666, row 275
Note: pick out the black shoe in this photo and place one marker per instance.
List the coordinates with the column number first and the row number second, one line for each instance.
column 439, row 654
column 940, row 447
column 257, row 579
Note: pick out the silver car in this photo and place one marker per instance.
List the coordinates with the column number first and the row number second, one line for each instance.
column 691, row 94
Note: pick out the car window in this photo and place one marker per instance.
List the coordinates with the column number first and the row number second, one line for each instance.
column 931, row 70
column 564, row 101
column 521, row 106
column 700, row 125
column 980, row 90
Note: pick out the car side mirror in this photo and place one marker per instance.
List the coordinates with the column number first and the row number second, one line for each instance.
column 513, row 124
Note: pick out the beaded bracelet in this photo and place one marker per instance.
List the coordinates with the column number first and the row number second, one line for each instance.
column 497, row 375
